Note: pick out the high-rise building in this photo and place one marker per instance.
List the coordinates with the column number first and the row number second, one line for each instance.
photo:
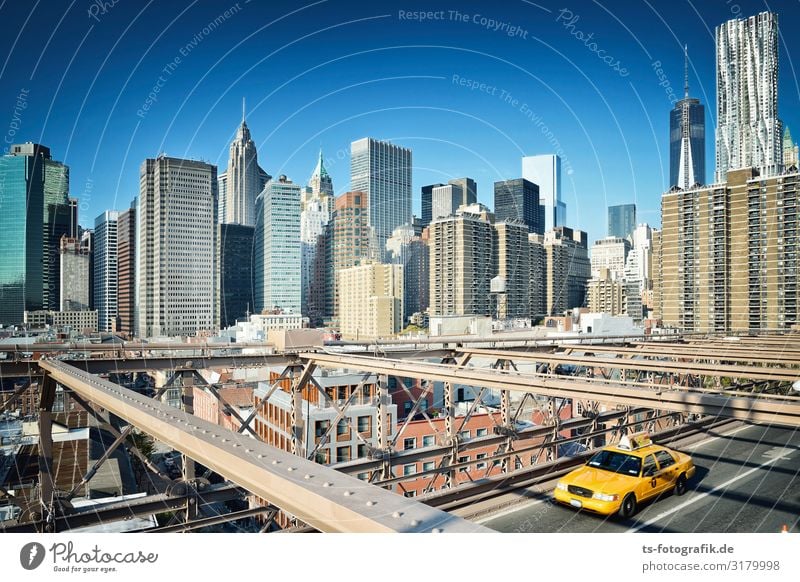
column 446, row 200
column 537, row 287
column 317, row 209
column 513, row 258
column 621, row 220
column 611, row 253
column 568, row 269
column 21, row 235
column 462, row 262
column 74, row 285
column 791, row 151
column 656, row 276
column 411, row 251
column 427, row 204
column 383, row 171
column 748, row 128
column 687, row 138
column 519, row 199
column 126, row 268
column 242, row 181
column 469, row 190
column 105, row 270
column 370, row 301
column 545, row 172
column 235, row 273
column 605, row 293
column 175, row 271
column 728, row 254
column 277, row 255
column 87, row 244
column 350, row 240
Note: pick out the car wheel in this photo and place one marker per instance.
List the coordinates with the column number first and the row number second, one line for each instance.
column 628, row 507
column 680, row 485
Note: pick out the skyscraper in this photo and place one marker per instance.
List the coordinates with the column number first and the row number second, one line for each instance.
column 469, row 190
column 276, row 254
column 545, row 172
column 687, row 139
column 22, row 188
column 350, row 240
column 383, row 171
column 427, row 204
column 105, row 270
column 126, row 267
column 513, row 266
column 175, row 271
column 519, row 199
column 74, row 284
column 235, row 278
column 621, row 220
column 568, row 269
column 317, row 210
column 791, row 151
column 748, row 128
column 411, row 251
column 445, row 200
column 242, row 181
column 371, row 301
column 610, row 253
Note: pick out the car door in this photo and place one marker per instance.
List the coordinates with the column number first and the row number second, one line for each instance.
column 667, row 471
column 649, row 480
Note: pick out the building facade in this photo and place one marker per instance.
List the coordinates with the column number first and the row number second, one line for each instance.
column 370, row 301
column 411, row 251
column 126, row 268
column 568, row 269
column 748, row 128
column 235, row 279
column 316, row 214
column 611, row 253
column 514, row 268
column 74, row 284
column 519, row 200
column 427, row 203
column 687, row 139
column 545, row 172
column 106, row 275
column 277, row 254
column 349, row 240
column 621, row 220
column 382, row 170
column 175, row 270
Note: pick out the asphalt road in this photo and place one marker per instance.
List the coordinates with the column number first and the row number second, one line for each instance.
column 747, row 480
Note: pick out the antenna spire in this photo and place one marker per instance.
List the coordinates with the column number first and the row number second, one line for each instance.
column 242, row 109
column 686, row 71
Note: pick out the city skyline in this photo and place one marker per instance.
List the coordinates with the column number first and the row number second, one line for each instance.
column 422, row 96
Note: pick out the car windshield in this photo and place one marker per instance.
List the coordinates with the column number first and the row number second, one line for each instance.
column 616, row 462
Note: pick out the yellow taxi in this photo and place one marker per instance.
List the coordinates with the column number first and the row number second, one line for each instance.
column 619, row 477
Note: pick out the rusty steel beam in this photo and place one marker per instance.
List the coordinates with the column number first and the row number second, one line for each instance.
column 319, row 496
column 784, row 411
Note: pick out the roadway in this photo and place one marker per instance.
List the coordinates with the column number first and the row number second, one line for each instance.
column 748, row 480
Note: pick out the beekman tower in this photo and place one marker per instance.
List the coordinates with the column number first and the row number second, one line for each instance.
column 687, row 138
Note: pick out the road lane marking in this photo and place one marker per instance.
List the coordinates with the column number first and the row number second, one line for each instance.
column 722, row 436
column 509, row 511
column 701, row 496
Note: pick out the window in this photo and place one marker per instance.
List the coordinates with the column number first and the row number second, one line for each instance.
column 410, row 494
column 342, row 454
column 464, row 435
column 481, row 432
column 480, row 466
column 409, row 469
column 649, row 466
column 409, row 443
column 664, row 459
column 406, row 407
column 321, row 427
column 365, row 425
column 363, row 451
column 363, row 476
column 343, row 430
column 323, row 457
column 517, row 463
column 428, row 440
column 428, row 466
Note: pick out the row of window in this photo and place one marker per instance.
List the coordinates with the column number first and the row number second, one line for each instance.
column 430, row 440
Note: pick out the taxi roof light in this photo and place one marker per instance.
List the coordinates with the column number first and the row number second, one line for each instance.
column 635, row 441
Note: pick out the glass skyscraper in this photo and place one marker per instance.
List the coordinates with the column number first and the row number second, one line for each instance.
column 621, row 220
column 545, row 172
column 22, row 201
column 383, row 171
column 235, row 260
column 687, row 140
column 519, row 199
column 106, row 275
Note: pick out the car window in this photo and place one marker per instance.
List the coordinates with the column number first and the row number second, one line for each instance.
column 649, row 466
column 616, row 462
column 664, row 459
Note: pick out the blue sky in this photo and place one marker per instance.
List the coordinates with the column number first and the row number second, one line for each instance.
column 322, row 74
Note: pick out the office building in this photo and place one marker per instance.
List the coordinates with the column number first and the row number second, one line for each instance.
column 126, row 268
column 21, row 235
column 469, row 190
column 427, row 204
column 411, row 251
column 87, row 244
column 610, row 252
column 605, row 293
column 235, row 278
column 462, row 262
column 687, row 139
column 383, row 171
column 350, row 240
column 74, row 279
column 446, row 200
column 545, row 172
column 791, row 151
column 748, row 128
column 370, row 301
column 317, row 209
column 513, row 267
column 76, row 321
column 175, row 271
column 242, row 182
column 621, row 220
column 728, row 254
column 105, row 270
column 519, row 200
column 277, row 255
column 537, row 286
column 568, row 269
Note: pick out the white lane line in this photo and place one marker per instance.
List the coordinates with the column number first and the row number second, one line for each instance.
column 701, row 496
column 722, row 436
column 509, row 511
